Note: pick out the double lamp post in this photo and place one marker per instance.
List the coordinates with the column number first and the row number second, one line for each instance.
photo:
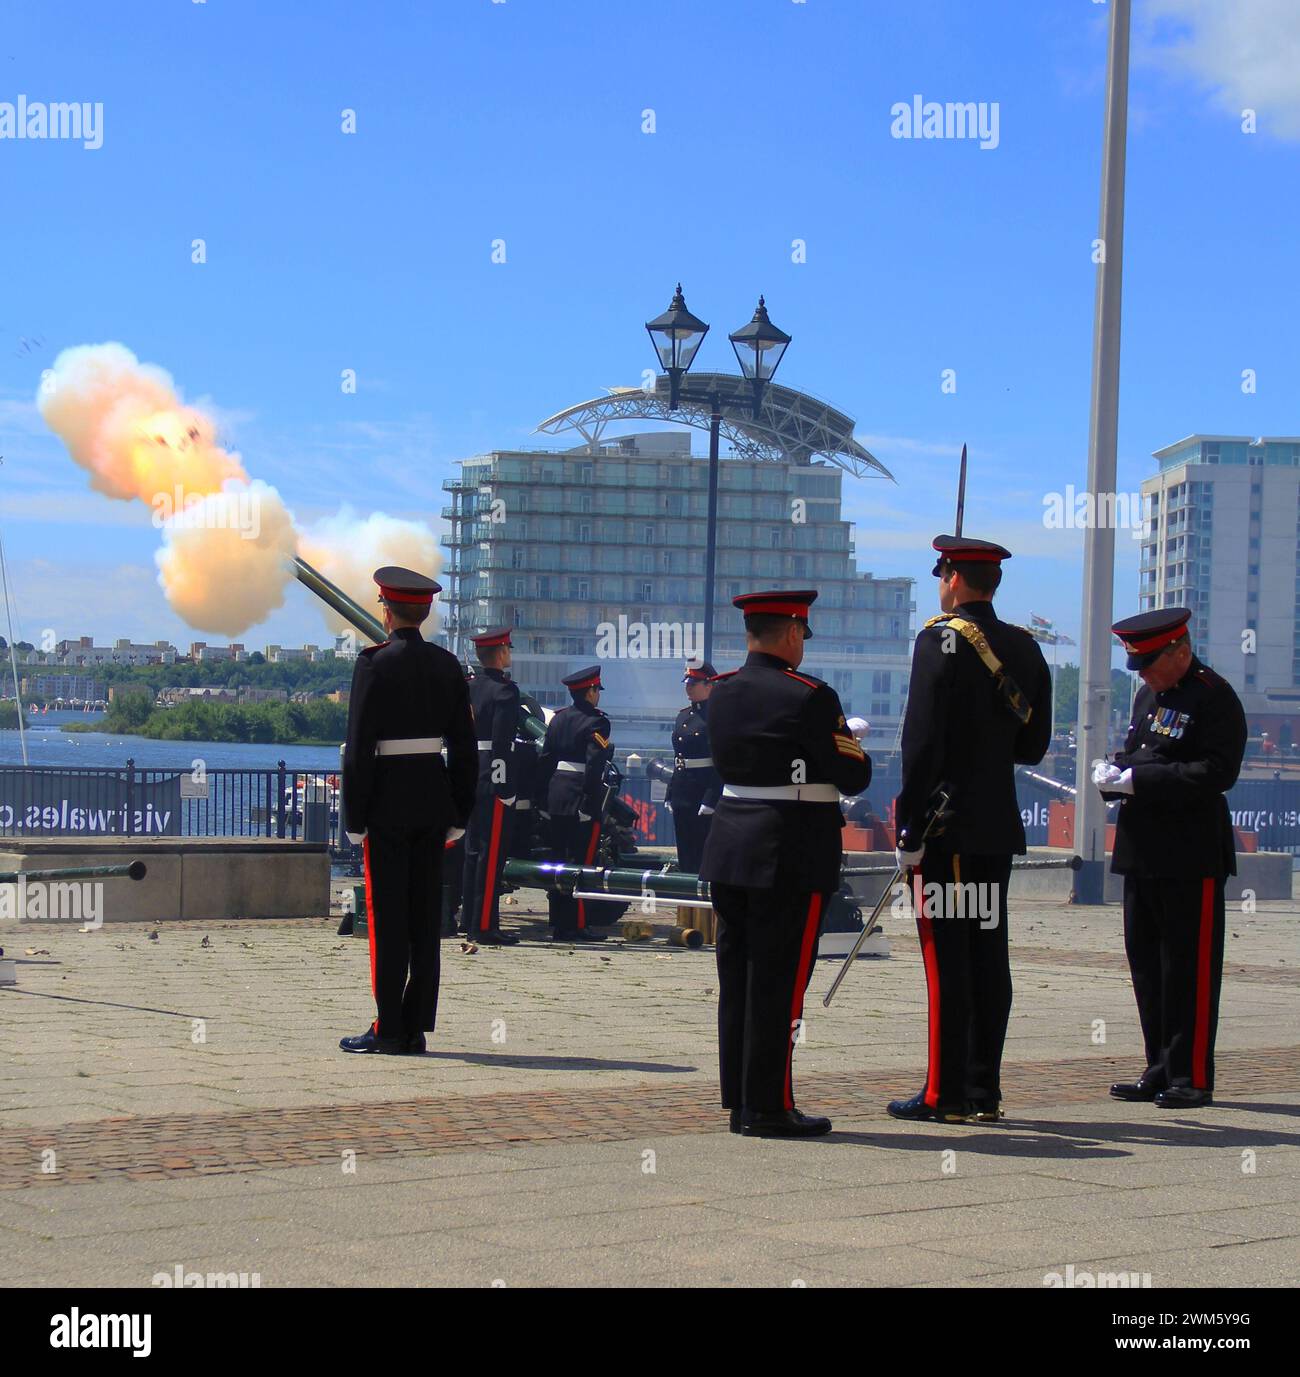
column 759, row 345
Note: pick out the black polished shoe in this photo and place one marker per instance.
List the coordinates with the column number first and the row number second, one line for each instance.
column 576, row 935
column 1183, row 1097
column 345, row 927
column 736, row 1116
column 917, row 1109
column 1134, row 1090
column 415, row 1045
column 785, row 1123
column 496, row 939
column 369, row 1042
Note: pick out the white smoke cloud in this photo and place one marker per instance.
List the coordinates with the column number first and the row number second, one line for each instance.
column 1245, row 52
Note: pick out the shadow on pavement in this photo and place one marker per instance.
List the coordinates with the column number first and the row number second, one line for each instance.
column 558, row 1063
column 1082, row 1140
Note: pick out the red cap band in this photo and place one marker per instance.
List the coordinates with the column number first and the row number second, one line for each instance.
column 399, row 595
column 1161, row 638
column 787, row 609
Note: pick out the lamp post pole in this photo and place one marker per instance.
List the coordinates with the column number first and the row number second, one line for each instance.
column 1099, row 537
column 711, row 539
column 759, row 345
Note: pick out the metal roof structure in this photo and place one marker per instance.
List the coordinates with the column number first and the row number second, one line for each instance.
column 792, row 427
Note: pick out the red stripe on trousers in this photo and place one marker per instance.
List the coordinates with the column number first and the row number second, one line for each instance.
column 926, row 928
column 370, row 928
column 489, row 889
column 1204, row 954
column 800, row 985
column 591, row 856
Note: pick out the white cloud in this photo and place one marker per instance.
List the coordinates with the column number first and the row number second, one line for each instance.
column 1245, row 52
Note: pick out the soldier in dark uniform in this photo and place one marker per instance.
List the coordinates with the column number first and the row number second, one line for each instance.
column 526, row 831
column 695, row 787
column 978, row 704
column 569, row 789
column 400, row 799
column 495, row 701
column 1174, row 847
column 773, row 855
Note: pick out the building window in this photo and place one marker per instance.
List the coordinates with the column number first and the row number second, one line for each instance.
column 648, row 535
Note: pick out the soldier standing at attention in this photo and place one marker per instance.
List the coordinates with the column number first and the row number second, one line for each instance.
column 495, row 702
column 978, row 703
column 773, row 854
column 695, row 787
column 569, row 788
column 1174, row 846
column 400, row 799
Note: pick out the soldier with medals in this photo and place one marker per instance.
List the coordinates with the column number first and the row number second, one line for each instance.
column 1174, row 848
column 695, row 787
column 569, row 790
column 978, row 704
column 400, row 800
column 494, row 699
column 772, row 858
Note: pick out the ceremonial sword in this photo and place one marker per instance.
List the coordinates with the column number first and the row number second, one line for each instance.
column 937, row 814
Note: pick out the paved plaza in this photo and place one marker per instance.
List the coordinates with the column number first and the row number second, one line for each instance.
column 174, row 1097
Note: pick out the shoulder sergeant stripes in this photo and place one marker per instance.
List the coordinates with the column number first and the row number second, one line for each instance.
column 601, row 741
column 846, row 745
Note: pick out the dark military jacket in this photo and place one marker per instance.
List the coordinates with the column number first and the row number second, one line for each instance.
column 958, row 732
column 693, row 786
column 1184, row 747
column 771, row 725
column 494, row 698
column 408, row 687
column 577, row 735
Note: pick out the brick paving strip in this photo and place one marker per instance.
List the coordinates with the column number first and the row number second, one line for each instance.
column 1111, row 961
column 177, row 1145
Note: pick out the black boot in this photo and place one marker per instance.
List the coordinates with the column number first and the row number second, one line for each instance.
column 784, row 1123
column 370, row 1042
column 1135, row 1090
column 1183, row 1097
column 916, row 1109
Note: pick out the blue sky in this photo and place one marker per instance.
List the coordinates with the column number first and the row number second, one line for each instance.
column 522, row 121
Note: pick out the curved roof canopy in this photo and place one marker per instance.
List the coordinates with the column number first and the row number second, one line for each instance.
column 792, row 427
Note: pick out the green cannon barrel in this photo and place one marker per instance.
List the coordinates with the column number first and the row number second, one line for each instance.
column 335, row 597
column 558, row 877
column 136, row 870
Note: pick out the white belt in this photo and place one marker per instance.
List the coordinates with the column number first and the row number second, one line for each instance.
column 786, row 793
column 571, row 766
column 410, row 745
column 694, row 764
column 485, row 745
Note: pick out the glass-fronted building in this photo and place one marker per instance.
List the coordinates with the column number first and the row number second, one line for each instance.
column 597, row 553
column 1222, row 536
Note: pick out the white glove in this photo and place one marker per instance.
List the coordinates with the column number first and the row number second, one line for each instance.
column 908, row 860
column 1104, row 773
column 584, row 817
column 859, row 726
column 356, row 838
column 1124, row 784
column 506, row 802
column 542, row 813
column 454, row 834
column 705, row 810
